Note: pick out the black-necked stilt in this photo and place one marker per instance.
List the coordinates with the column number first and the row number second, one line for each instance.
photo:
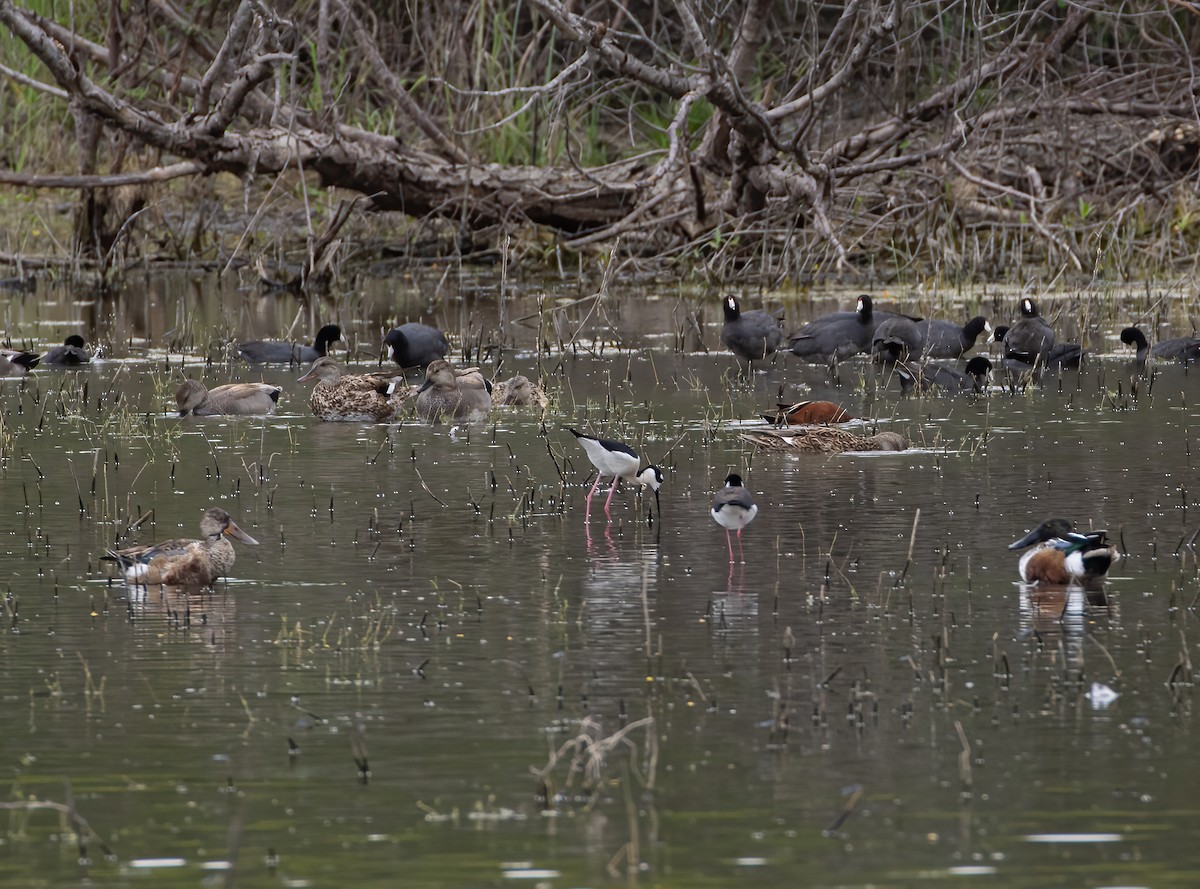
column 72, row 351
column 1182, row 348
column 753, row 335
column 621, row 462
column 1030, row 338
column 416, row 345
column 267, row 352
column 1063, row 555
column 733, row 509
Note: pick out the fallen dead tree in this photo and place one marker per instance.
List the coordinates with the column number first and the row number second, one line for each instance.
column 792, row 137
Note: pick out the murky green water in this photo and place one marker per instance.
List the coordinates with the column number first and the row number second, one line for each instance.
column 429, row 601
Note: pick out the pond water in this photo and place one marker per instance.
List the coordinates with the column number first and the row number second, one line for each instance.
column 432, row 673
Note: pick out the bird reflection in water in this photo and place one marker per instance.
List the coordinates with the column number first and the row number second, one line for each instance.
column 1064, row 615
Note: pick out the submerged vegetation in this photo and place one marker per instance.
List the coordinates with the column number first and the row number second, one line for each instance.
column 778, row 141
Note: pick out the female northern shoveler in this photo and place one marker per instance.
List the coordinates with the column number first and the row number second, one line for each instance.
column 354, row 397
column 267, row 352
column 518, row 391
column 185, row 561
column 451, row 395
column 243, row 399
column 1064, row 556
column 823, row 440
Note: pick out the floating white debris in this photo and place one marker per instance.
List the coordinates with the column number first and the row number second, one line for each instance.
column 158, row 862
column 1074, row 838
column 217, row 865
column 531, row 873
column 750, row 862
column 1101, row 695
column 971, row 870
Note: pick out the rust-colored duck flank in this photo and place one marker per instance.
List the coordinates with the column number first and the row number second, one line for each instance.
column 185, row 561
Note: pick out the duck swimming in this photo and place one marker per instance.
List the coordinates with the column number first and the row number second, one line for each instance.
column 446, row 394
column 518, row 391
column 236, row 399
column 14, row 363
column 185, row 561
column 269, row 352
column 1064, row 556
column 342, row 397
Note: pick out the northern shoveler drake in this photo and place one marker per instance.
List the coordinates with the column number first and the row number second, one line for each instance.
column 447, row 394
column 72, row 351
column 1030, row 338
column 1181, row 348
column 824, row 440
column 416, row 345
column 621, row 462
column 15, row 363
column 808, row 413
column 185, row 561
column 752, row 335
column 268, row 352
column 733, row 509
column 339, row 396
column 518, row 391
column 1064, row 556
column 241, row 399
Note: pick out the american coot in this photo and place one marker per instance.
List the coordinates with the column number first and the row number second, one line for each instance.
column 1181, row 348
column 416, row 345
column 267, row 352
column 185, row 561
column 1064, row 556
column 898, row 338
column 926, row 375
column 752, row 335
column 733, row 509
column 1030, row 338
column 338, row 396
column 621, row 462
column 1066, row 355
column 242, row 399
column 945, row 339
column 72, row 351
column 449, row 395
column 839, row 335
column 14, row 363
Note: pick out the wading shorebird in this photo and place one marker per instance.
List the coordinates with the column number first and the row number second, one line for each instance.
column 733, row 509
column 621, row 462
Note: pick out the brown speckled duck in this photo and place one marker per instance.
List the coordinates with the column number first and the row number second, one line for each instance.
column 518, row 391
column 450, row 395
column 185, row 561
column 240, row 399
column 824, row 440
column 339, row 396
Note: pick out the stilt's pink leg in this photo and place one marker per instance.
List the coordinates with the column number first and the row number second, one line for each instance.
column 729, row 543
column 587, row 513
column 741, row 552
column 616, row 478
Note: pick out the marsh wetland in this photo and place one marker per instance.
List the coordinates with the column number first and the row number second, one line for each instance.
column 430, row 672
